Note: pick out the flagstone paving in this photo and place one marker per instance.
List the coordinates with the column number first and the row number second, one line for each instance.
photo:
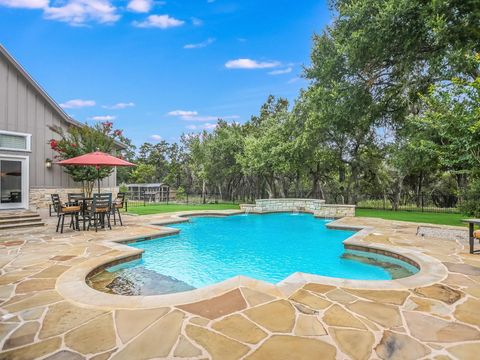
column 318, row 321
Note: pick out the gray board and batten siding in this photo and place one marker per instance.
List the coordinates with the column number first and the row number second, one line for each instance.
column 26, row 108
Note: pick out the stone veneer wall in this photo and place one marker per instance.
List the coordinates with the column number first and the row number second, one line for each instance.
column 335, row 211
column 315, row 206
column 39, row 198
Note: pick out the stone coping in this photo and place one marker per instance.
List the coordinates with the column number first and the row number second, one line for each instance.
column 72, row 283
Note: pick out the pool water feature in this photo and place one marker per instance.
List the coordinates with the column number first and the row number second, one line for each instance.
column 267, row 247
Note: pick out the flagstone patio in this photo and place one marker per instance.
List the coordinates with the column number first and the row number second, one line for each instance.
column 41, row 320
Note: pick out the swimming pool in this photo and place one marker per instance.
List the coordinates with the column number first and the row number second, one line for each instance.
column 267, row 247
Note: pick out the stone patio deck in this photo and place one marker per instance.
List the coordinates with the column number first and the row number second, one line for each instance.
column 318, row 321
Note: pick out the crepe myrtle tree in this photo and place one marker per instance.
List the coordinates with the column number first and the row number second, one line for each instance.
column 82, row 140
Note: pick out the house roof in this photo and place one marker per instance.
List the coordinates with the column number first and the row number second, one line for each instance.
column 57, row 108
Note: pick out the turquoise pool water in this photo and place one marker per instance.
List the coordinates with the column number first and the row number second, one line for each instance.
column 266, row 247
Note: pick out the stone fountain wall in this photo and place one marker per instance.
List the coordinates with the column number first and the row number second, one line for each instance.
column 315, row 206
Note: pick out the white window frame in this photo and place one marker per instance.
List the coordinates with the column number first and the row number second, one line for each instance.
column 25, row 181
column 27, row 136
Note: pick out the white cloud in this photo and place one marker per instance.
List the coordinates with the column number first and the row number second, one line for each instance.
column 281, row 71
column 77, row 103
column 293, row 80
column 209, row 126
column 79, row 12
column 250, row 64
column 156, row 137
column 25, row 4
column 182, row 113
column 159, row 21
column 205, row 126
column 193, row 116
column 120, row 105
column 103, row 118
column 140, row 6
column 200, row 45
column 197, row 22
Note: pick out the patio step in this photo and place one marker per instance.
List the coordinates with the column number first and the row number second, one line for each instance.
column 19, row 219
column 6, row 214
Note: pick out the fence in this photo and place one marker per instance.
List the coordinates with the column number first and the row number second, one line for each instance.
column 425, row 202
column 149, row 199
column 437, row 203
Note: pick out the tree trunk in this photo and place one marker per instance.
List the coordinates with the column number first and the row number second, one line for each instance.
column 204, row 192
column 397, row 195
column 418, row 194
column 270, row 182
column 297, row 185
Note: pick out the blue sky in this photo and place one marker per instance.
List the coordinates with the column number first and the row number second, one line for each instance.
column 161, row 68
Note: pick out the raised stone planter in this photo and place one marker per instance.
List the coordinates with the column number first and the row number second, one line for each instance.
column 315, row 206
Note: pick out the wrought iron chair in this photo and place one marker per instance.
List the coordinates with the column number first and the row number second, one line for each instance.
column 100, row 211
column 77, row 199
column 65, row 209
column 116, row 206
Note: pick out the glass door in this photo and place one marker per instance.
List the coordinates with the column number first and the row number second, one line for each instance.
column 13, row 183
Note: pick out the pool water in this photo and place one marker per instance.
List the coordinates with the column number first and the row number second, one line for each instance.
column 266, row 247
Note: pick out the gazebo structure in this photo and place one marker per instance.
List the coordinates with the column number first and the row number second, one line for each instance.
column 157, row 192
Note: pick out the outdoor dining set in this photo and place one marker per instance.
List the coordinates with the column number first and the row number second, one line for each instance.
column 95, row 211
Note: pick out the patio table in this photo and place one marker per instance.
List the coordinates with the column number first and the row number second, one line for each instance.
column 84, row 201
column 471, row 228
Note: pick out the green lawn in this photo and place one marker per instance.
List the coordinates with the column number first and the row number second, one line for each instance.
column 164, row 208
column 422, row 217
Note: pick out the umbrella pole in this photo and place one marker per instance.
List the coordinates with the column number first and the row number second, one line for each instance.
column 98, row 178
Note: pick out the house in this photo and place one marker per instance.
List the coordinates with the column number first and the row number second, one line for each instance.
column 27, row 175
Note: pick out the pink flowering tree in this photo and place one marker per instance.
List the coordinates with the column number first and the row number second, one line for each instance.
column 82, row 140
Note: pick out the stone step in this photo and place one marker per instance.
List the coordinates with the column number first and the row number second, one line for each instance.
column 21, row 225
column 17, row 215
column 19, row 220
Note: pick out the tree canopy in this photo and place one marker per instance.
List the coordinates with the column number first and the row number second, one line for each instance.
column 391, row 111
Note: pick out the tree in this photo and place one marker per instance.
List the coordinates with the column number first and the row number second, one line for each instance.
column 449, row 126
column 124, row 172
column 267, row 144
column 381, row 115
column 79, row 140
column 143, row 174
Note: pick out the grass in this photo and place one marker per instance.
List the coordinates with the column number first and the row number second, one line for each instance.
column 421, row 217
column 164, row 208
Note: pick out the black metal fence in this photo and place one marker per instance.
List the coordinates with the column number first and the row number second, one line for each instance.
column 424, row 202
column 147, row 199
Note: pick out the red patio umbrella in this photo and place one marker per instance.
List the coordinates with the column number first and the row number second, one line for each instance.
column 97, row 159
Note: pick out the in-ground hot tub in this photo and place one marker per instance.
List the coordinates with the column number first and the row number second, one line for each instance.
column 267, row 247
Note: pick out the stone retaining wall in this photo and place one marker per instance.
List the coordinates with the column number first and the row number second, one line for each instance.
column 315, row 206
column 39, row 198
column 335, row 211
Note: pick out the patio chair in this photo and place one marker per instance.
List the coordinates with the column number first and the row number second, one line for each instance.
column 116, row 206
column 78, row 199
column 100, row 211
column 65, row 209
column 75, row 198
